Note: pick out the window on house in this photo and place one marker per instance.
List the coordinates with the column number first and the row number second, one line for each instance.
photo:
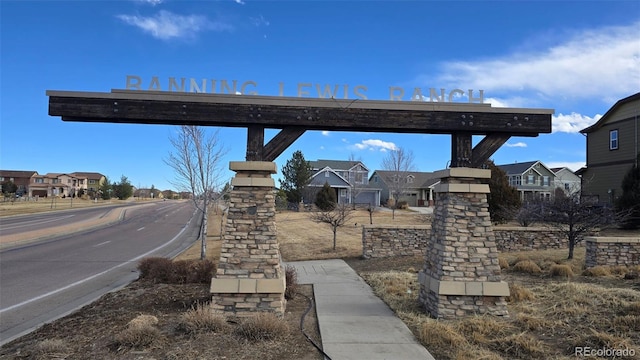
column 613, row 139
column 343, row 192
column 531, row 179
column 326, row 174
column 566, row 186
column 359, row 178
column 375, row 179
column 39, row 181
column 1, row 178
column 410, row 179
column 545, row 181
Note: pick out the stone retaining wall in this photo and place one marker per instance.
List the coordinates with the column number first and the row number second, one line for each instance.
column 387, row 241
column 611, row 251
column 529, row 238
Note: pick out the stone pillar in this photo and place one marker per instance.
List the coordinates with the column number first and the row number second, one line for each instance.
column 250, row 277
column 461, row 274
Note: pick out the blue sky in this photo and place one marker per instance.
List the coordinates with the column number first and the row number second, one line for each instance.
column 577, row 57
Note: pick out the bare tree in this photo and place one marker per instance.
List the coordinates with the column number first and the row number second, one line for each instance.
column 398, row 164
column 336, row 217
column 575, row 218
column 356, row 181
column 196, row 161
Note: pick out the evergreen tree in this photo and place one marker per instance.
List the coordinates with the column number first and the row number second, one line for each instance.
column 629, row 202
column 504, row 200
column 297, row 175
column 122, row 190
column 105, row 189
column 326, row 198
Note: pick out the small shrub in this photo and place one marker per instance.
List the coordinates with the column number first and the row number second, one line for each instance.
column 291, row 277
column 402, row 205
column 157, row 269
column 597, row 271
column 561, row 271
column 519, row 293
column 262, row 326
column 632, row 309
column 162, row 270
column 626, row 323
column 527, row 267
column 531, row 322
column 52, row 349
column 140, row 332
column 202, row 318
column 504, row 264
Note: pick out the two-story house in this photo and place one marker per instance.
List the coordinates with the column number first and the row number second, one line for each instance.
column 416, row 187
column 20, row 178
column 350, row 179
column 533, row 179
column 613, row 144
column 567, row 180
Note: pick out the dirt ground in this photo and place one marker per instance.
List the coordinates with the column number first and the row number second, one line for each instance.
column 92, row 332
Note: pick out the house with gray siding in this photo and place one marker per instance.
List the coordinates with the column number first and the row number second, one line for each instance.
column 417, row 187
column 613, row 143
column 349, row 179
column 533, row 179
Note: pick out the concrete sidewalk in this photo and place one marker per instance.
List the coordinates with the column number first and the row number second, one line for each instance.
column 354, row 323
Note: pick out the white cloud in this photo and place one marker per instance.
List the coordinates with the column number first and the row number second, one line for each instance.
column 574, row 166
column 239, row 2
column 325, row 133
column 259, row 21
column 166, row 25
column 151, row 2
column 580, row 67
column 374, row 144
column 518, row 144
column 572, row 123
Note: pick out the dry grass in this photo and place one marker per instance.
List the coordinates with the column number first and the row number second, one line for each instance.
column 52, row 349
column 527, row 267
column 547, row 319
column 262, row 326
column 21, row 206
column 302, row 239
column 139, row 333
column 561, row 270
column 202, row 318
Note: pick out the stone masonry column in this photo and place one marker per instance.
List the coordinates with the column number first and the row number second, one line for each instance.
column 250, row 277
column 461, row 274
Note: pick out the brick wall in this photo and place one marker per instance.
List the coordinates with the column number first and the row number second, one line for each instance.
column 529, row 238
column 611, row 251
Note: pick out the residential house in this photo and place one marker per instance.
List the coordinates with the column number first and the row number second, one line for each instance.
column 417, row 188
column 32, row 184
column 89, row 181
column 613, row 144
column 350, row 179
column 567, row 180
column 532, row 179
column 20, row 178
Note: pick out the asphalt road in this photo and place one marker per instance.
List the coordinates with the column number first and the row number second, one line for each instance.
column 21, row 223
column 43, row 281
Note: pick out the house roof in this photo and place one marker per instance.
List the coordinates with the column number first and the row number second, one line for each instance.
column 517, row 168
column 521, row 168
column 88, row 175
column 603, row 120
column 335, row 164
column 421, row 179
column 18, row 173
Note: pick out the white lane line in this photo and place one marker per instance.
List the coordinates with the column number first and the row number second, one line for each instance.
column 96, row 275
column 102, row 243
column 30, row 223
column 142, row 228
